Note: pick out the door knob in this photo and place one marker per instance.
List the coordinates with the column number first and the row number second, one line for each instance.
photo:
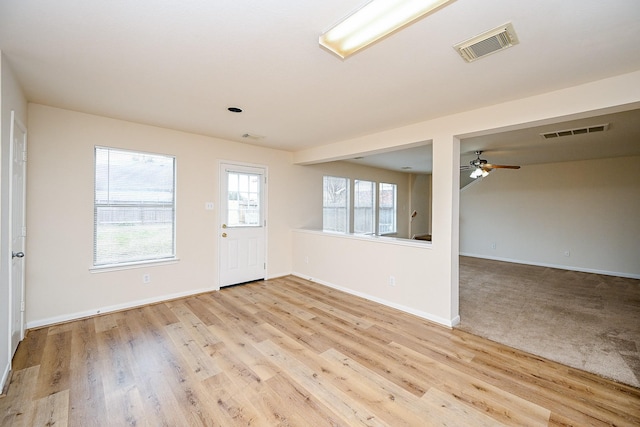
column 224, row 225
column 17, row 254
column 224, row 234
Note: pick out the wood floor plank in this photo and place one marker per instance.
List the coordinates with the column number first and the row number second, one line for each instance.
column 289, row 352
column 86, row 391
column 261, row 301
column 52, row 410
column 327, row 404
column 394, row 404
column 193, row 355
column 450, row 411
column 54, row 368
column 232, row 403
column 17, row 408
column 105, row 322
column 30, row 351
column 159, row 401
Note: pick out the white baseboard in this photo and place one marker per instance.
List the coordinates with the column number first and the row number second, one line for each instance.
column 561, row 267
column 109, row 309
column 428, row 316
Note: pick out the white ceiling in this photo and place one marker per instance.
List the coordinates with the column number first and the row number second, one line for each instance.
column 181, row 64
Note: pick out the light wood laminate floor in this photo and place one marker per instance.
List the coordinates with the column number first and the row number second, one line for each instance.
column 287, row 352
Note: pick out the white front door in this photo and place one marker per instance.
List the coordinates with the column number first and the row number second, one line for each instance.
column 18, row 230
column 242, row 228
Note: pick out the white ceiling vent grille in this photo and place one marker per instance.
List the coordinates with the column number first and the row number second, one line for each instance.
column 489, row 42
column 577, row 131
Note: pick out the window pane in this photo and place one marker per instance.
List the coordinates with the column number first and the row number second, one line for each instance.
column 387, row 209
column 243, row 204
column 335, row 204
column 134, row 206
column 364, row 207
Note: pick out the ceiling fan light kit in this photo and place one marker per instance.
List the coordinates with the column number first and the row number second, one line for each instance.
column 480, row 167
column 478, row 172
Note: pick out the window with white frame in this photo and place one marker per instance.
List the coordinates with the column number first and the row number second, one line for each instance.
column 364, row 204
column 335, row 204
column 134, row 207
column 387, row 209
column 373, row 212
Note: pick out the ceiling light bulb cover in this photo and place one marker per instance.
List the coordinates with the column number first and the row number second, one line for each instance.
column 373, row 21
column 476, row 173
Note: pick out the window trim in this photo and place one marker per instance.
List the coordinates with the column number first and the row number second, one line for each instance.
column 103, row 268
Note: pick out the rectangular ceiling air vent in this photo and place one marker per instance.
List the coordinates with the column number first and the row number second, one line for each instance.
column 489, row 42
column 577, row 131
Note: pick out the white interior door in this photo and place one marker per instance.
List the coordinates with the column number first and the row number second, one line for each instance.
column 17, row 229
column 242, row 229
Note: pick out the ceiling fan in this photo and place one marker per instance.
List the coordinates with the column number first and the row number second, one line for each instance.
column 480, row 167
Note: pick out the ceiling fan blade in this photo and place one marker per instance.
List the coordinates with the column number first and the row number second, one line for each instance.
column 466, row 168
column 490, row 166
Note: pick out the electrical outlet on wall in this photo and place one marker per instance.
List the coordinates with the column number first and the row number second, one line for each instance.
column 146, row 278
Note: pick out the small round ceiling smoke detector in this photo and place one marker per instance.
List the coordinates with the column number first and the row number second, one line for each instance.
column 235, row 109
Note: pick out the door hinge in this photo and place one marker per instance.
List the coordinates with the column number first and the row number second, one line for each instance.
column 24, row 156
column 24, row 232
column 22, row 306
column 265, row 265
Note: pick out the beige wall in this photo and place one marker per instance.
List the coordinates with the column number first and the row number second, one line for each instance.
column 536, row 214
column 60, row 213
column 421, row 203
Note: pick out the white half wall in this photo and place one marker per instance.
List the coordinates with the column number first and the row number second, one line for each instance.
column 573, row 215
column 393, row 272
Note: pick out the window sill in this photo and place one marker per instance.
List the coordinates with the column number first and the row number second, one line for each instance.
column 131, row 265
column 371, row 238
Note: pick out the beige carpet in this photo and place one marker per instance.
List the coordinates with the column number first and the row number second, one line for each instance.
column 583, row 320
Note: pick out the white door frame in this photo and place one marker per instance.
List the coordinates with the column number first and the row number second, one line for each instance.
column 222, row 164
column 20, row 288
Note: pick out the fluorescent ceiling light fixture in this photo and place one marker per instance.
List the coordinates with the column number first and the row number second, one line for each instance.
column 373, row 21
